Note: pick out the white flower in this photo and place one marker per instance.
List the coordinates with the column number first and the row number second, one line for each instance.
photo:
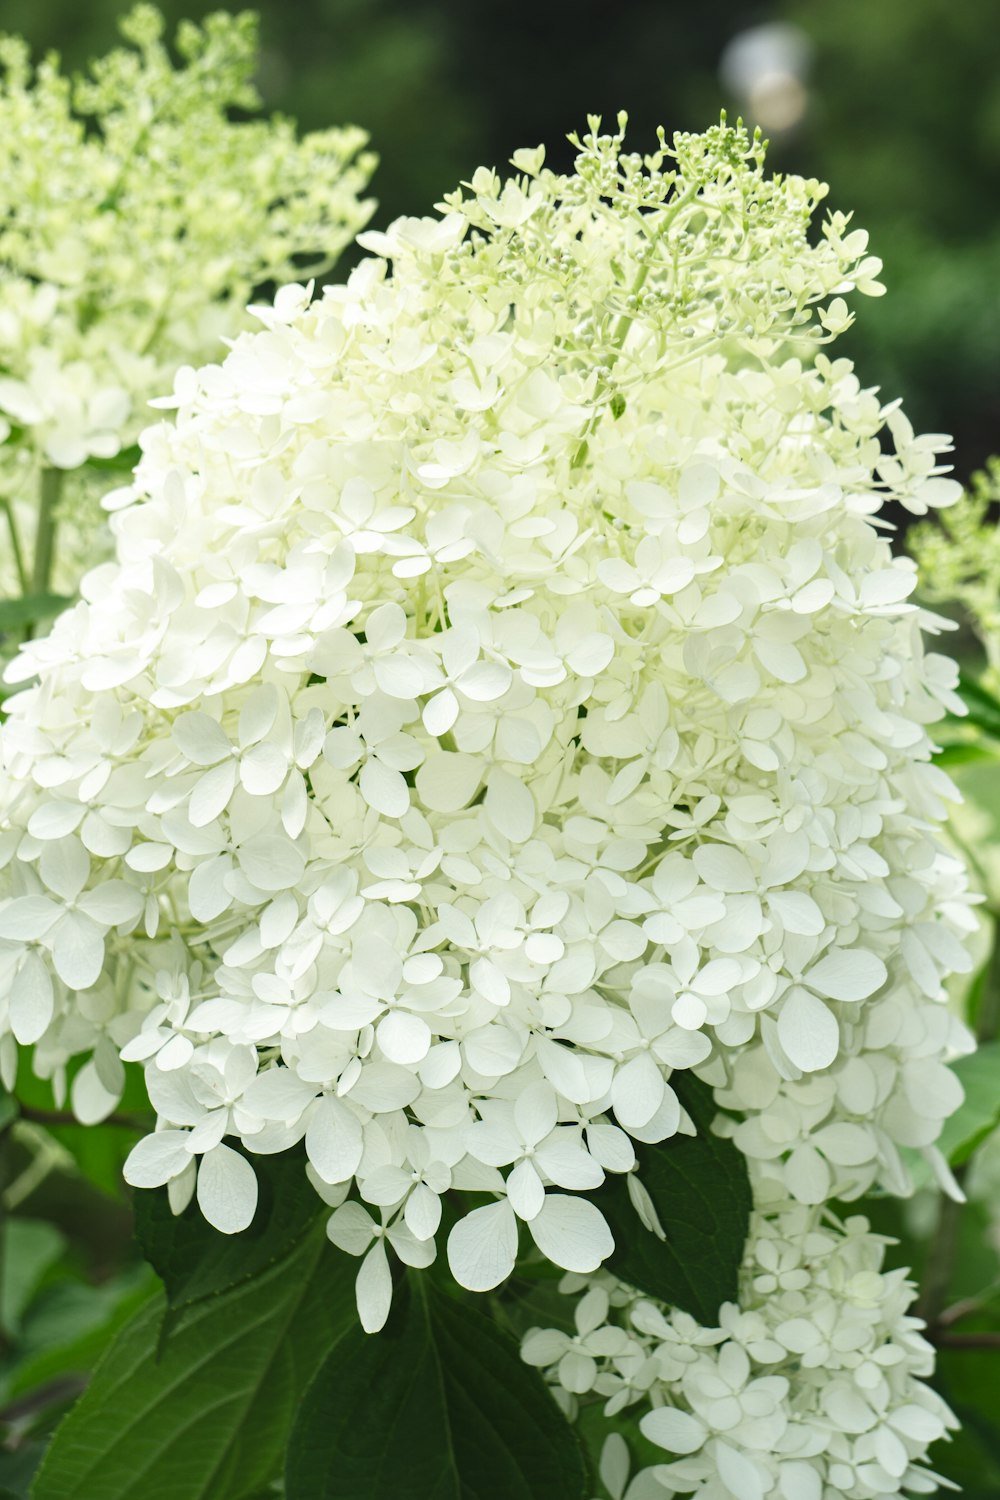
column 811, row 1385
column 352, row 1229
column 501, row 698
column 131, row 240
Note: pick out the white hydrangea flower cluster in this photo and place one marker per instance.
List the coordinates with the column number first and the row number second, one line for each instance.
column 811, row 1387
column 138, row 219
column 504, row 696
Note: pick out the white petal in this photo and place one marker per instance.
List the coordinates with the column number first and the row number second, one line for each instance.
column 263, row 769
column 565, row 1161
column 78, row 951
column 423, row 1212
column 781, row 659
column 847, row 974
column 399, row 676
column 384, row 1087
column 411, row 1251
column 614, row 1466
column 536, row 1112
column 524, row 1191
column 27, row 918
column 112, row 902
column 385, row 627
column 797, row 912
column 90, row 1096
column 610, row 1147
column 572, row 1233
column 482, row 1247
column 724, row 868
column 200, row 739
column 384, row 789
column 271, row 863
column 493, row 1142
column 676, row 1431
column 807, row 1175
column 207, row 896
column 227, row 1190
column 31, row 1000
column 276, row 1094
column 490, row 981
column 157, row 1158
column 351, row 1229
column 258, row 714
column 404, row 1038
column 510, row 807
column 65, row 867
column 448, row 780
column 373, row 1289
column 808, row 1031
column 54, row 820
column 543, row 1346
column 637, row 1091
column 440, row 713
column 494, row 1051
column 386, row 1186
column 485, row 681
column 212, row 793
column 334, row 1140
column 739, row 1473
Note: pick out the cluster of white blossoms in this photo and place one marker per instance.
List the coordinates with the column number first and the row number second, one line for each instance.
column 138, row 218
column 811, row 1387
column 503, row 696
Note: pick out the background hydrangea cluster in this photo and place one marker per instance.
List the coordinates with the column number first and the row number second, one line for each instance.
column 139, row 216
column 811, row 1386
column 505, row 695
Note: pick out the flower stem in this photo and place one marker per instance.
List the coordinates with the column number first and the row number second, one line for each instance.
column 45, row 537
column 17, row 550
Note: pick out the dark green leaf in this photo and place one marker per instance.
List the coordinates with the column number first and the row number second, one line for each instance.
column 439, row 1406
column 15, row 613
column 979, row 1115
column 195, row 1261
column 964, row 753
column 79, row 1348
column 977, row 989
column 983, row 707
column 29, row 1248
column 204, row 1413
column 701, row 1193
column 121, row 463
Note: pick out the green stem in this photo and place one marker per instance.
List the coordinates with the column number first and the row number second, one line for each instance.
column 4, row 1175
column 15, row 545
column 49, row 491
column 988, row 1020
column 943, row 1248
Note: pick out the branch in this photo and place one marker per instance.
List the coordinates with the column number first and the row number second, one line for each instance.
column 965, row 1308
column 62, row 1388
column 942, row 1339
column 65, row 1117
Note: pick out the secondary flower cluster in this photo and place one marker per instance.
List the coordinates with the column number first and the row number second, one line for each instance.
column 504, row 696
column 810, row 1387
column 137, row 220
column 958, row 559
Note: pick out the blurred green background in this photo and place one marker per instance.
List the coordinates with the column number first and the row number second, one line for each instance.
column 895, row 103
